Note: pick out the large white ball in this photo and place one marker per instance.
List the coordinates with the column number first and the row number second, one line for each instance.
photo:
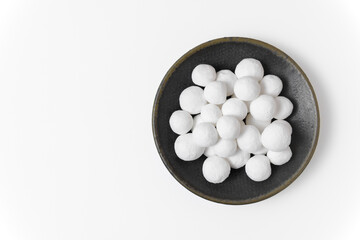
column 276, row 137
column 271, row 85
column 210, row 113
column 280, row 158
column 181, row 122
column 263, row 108
column 249, row 139
column 228, row 127
column 239, row 159
column 203, row 74
column 216, row 169
column 284, row 108
column 286, row 123
column 205, row 134
column 192, row 99
column 258, row 168
column 186, row 149
column 215, row 92
column 225, row 147
column 234, row 107
column 227, row 77
column 250, row 67
column 247, row 88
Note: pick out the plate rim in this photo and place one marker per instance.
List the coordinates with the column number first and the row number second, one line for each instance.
column 155, row 112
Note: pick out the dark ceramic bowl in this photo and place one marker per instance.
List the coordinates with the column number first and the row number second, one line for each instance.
column 226, row 53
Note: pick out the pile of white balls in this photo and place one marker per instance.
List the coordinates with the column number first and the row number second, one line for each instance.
column 218, row 130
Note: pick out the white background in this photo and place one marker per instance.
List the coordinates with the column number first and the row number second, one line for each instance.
column 77, row 84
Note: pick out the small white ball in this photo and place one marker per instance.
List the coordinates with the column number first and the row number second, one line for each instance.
column 249, row 139
column 284, row 107
column 210, row 113
column 227, row 77
column 247, row 89
column 203, row 74
column 192, row 99
column 205, row 134
column 261, row 125
column 239, row 159
column 186, row 149
column 215, row 92
column 181, row 122
column 210, row 151
column 216, row 169
column 263, row 150
column 228, row 127
column 197, row 119
column 263, row 108
column 280, row 158
column 250, row 67
column 276, row 137
column 286, row 123
column 225, row 147
column 271, row 85
column 258, row 168
column 234, row 107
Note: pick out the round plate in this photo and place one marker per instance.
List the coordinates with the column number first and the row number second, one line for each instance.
column 226, row 53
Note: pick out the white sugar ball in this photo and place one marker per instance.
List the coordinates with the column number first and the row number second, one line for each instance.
column 258, row 168
column 284, row 107
column 280, row 158
column 263, row 108
column 181, row 122
column 249, row 139
column 210, row 113
column 239, row 159
column 186, row 149
column 203, row 74
column 205, row 134
column 210, row 151
column 276, row 137
column 192, row 99
column 215, row 92
column 225, row 147
column 250, row 67
column 227, row 77
column 216, row 169
column 261, row 125
column 228, row 127
column 197, row 119
column 234, row 107
column 286, row 123
column 261, row 151
column 247, row 89
column 271, row 85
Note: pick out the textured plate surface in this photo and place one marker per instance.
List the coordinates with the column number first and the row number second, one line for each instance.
column 225, row 53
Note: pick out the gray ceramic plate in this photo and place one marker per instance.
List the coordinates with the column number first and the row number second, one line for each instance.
column 225, row 53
